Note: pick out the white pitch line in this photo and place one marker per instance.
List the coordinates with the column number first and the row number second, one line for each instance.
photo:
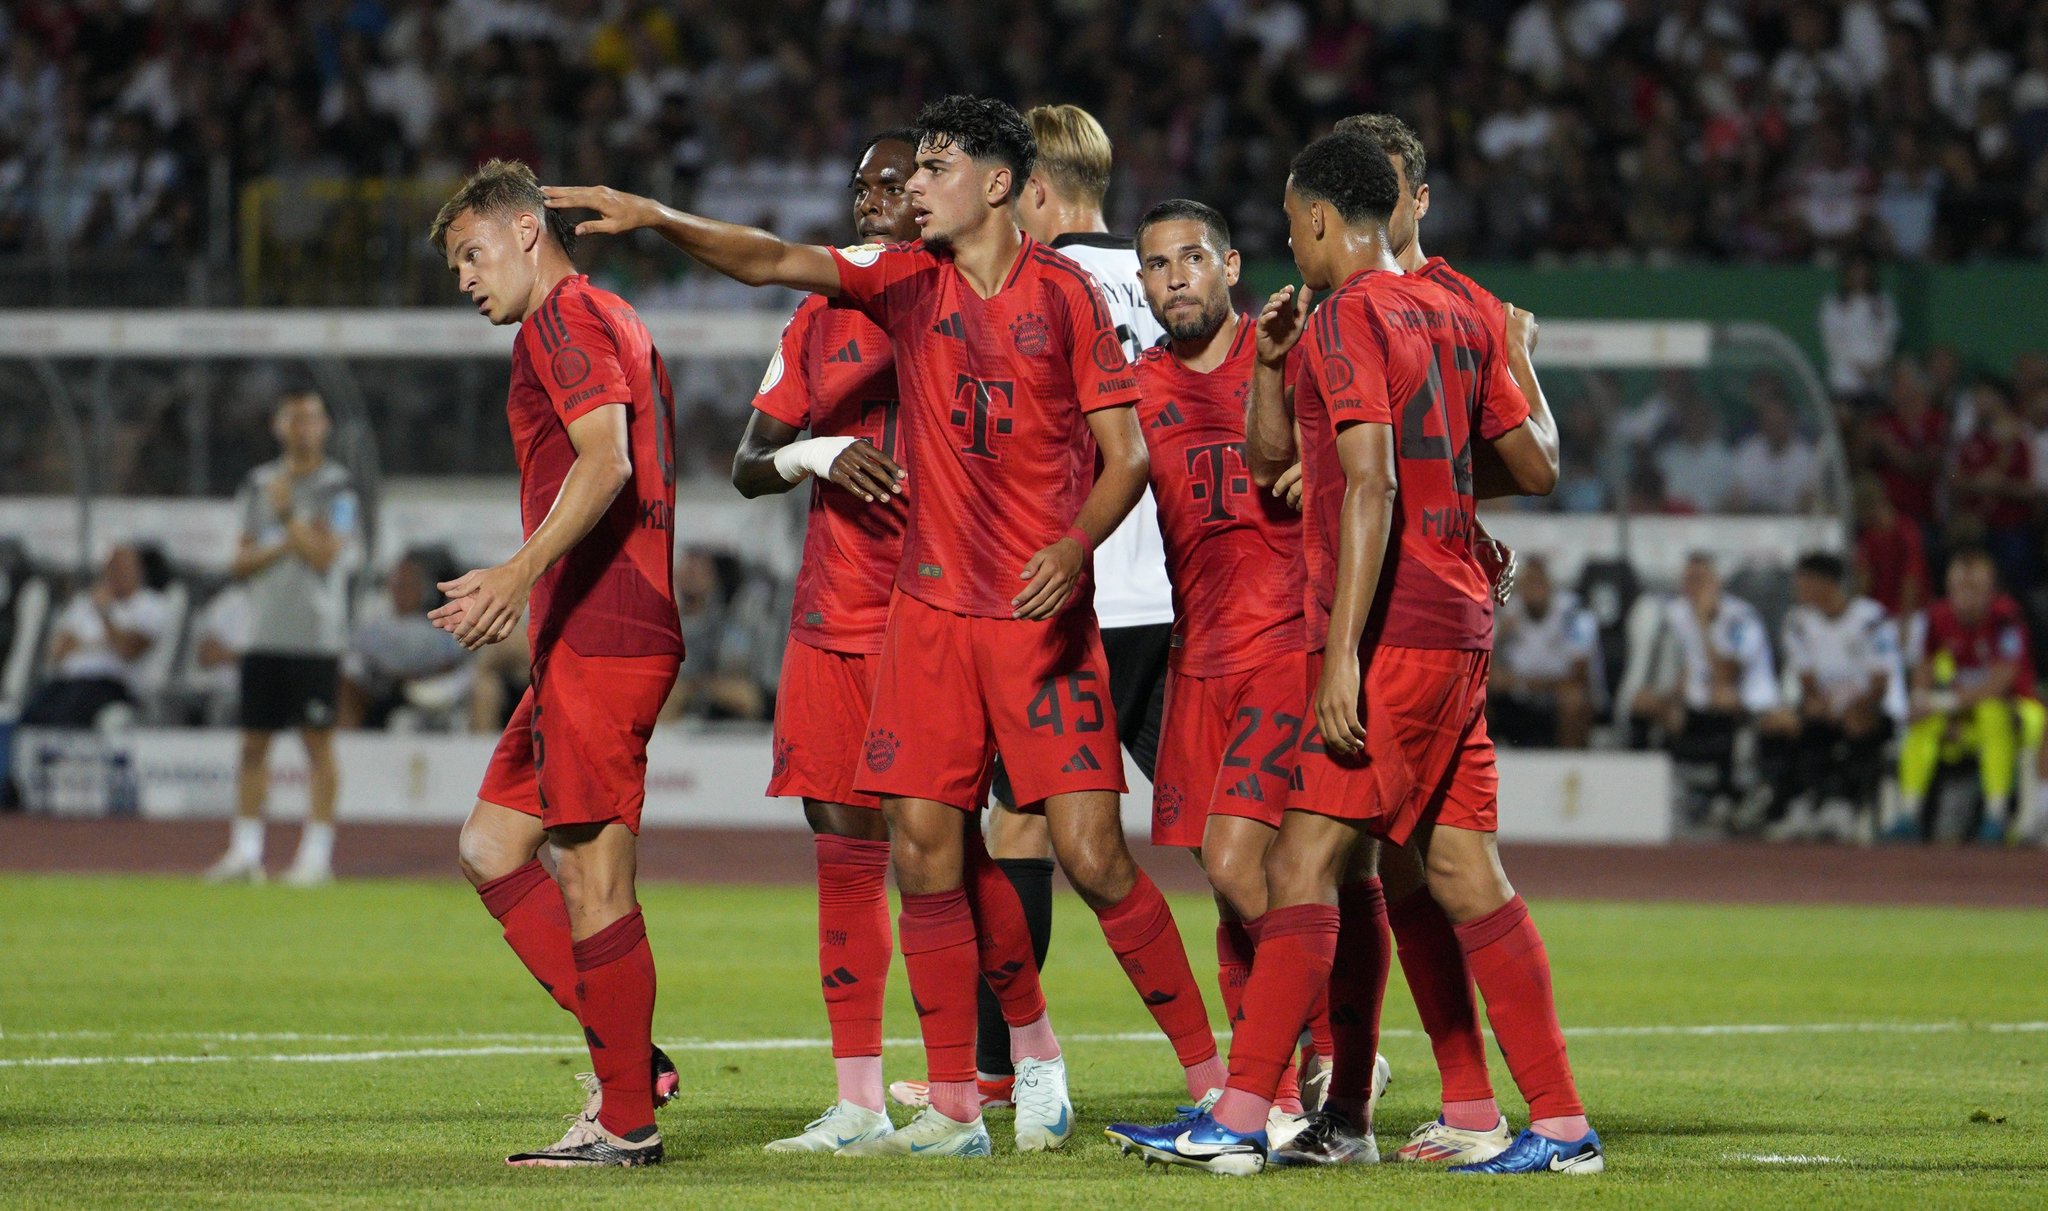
column 568, row 1046
column 1773, row 1158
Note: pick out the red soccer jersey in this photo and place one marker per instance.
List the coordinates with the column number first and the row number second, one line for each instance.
column 2010, row 459
column 1231, row 548
column 1893, row 560
column 1998, row 637
column 835, row 375
column 995, row 395
column 1913, row 494
column 1484, row 301
column 613, row 594
column 1395, row 350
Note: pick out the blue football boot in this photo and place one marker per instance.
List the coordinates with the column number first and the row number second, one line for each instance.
column 1533, row 1153
column 1197, row 1141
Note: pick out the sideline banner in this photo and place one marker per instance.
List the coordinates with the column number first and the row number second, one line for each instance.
column 708, row 778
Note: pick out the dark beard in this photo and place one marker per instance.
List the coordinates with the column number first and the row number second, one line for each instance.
column 1199, row 326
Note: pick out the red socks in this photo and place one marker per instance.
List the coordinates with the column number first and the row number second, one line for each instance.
column 1003, row 948
column 1142, row 935
column 1505, row 954
column 939, row 951
column 528, row 904
column 1236, row 968
column 615, row 1000
column 1358, row 988
column 853, row 940
column 1434, row 964
column 1297, row 945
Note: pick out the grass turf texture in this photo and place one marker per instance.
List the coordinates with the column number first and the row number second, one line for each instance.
column 130, row 967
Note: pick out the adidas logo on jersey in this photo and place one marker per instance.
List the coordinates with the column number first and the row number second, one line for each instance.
column 1249, row 788
column 1169, row 415
column 1083, row 759
column 952, row 326
column 850, row 352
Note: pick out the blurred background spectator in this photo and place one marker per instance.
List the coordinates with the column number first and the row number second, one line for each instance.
column 1544, row 684
column 101, row 642
column 400, row 664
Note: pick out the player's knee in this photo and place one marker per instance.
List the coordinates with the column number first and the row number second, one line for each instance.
column 1242, row 886
column 1102, row 873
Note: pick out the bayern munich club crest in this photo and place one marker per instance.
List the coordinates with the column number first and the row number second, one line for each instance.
column 880, row 751
column 1030, row 334
column 1167, row 805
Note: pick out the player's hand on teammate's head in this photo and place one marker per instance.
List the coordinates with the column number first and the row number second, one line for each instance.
column 1288, row 487
column 1052, row 574
column 867, row 472
column 617, row 212
column 1521, row 328
column 1336, row 706
column 1280, row 323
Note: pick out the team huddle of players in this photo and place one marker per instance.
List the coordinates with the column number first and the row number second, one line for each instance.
column 976, row 429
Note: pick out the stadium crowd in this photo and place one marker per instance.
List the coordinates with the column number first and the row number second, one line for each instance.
column 1744, row 129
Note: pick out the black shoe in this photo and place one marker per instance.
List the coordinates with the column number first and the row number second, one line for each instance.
column 1327, row 1140
column 589, row 1144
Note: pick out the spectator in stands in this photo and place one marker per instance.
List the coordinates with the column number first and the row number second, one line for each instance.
column 99, row 644
column 724, row 685
column 1725, row 675
column 389, row 656
column 1546, row 664
column 1907, row 444
column 1972, row 696
column 1994, row 487
column 1824, row 750
column 298, row 531
column 1891, row 554
column 219, row 637
column 1776, row 470
column 1859, row 326
column 1698, row 466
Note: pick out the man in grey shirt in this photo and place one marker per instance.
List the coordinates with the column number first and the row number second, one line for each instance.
column 298, row 529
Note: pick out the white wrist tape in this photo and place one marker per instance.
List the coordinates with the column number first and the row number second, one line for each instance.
column 811, row 456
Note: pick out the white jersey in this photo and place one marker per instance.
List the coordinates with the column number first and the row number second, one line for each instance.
column 1546, row 648
column 1736, row 633
column 1842, row 654
column 1131, row 588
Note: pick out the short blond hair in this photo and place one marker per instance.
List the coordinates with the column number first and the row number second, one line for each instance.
column 501, row 187
column 1073, row 151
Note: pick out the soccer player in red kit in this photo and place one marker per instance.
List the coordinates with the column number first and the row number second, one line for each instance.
column 1010, row 366
column 1396, row 380
column 834, row 375
column 1470, row 1126
column 593, row 425
column 1235, row 664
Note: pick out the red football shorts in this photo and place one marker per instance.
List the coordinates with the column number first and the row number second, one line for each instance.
column 954, row 691
column 1226, row 747
column 575, row 751
column 821, row 720
column 1427, row 753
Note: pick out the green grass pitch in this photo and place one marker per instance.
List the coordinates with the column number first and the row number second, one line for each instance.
column 451, row 1057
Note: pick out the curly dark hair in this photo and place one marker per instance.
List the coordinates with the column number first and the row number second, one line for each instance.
column 984, row 129
column 1351, row 173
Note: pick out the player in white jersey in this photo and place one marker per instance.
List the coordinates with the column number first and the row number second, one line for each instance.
column 1546, row 672
column 1848, row 695
column 1061, row 206
column 1726, row 676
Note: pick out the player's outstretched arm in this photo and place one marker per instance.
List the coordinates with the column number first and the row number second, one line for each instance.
column 1051, row 574
column 1269, row 444
column 772, row 459
column 745, row 254
column 484, row 605
column 1366, row 451
column 1522, row 461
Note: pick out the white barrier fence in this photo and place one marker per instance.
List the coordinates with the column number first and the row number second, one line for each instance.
column 694, row 779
